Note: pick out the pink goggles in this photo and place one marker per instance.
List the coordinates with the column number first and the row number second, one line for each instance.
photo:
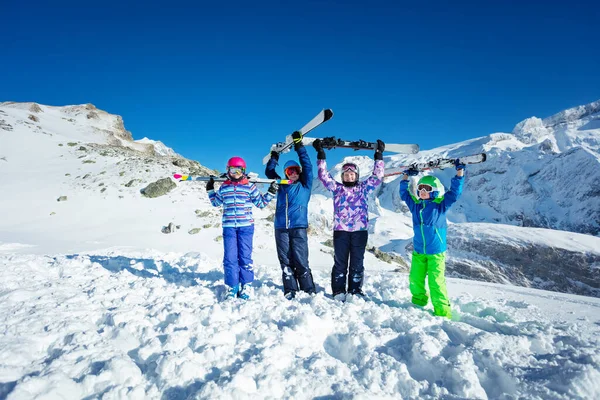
column 349, row 167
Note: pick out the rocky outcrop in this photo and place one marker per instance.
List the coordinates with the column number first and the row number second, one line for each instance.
column 531, row 263
column 159, row 188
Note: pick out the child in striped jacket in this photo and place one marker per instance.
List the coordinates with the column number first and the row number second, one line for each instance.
column 237, row 195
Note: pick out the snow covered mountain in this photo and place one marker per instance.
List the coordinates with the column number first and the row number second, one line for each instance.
column 97, row 302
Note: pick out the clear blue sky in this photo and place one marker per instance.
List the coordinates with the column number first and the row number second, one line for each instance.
column 217, row 79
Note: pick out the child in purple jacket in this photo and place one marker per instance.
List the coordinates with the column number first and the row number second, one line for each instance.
column 350, row 220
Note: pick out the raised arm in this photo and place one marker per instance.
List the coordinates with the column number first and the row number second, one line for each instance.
column 271, row 165
column 324, row 175
column 214, row 196
column 456, row 187
column 306, row 177
column 377, row 176
column 405, row 194
column 260, row 200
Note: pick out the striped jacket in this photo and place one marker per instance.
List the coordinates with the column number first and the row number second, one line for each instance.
column 237, row 199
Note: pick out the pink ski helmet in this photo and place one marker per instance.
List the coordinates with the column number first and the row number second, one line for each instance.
column 237, row 162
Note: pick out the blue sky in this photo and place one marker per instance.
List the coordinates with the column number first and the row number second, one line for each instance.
column 216, row 80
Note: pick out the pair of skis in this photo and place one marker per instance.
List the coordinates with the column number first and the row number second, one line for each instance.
column 187, row 178
column 439, row 163
column 333, row 142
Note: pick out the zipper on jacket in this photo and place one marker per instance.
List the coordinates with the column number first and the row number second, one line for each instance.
column 287, row 221
column 422, row 232
column 439, row 236
column 235, row 205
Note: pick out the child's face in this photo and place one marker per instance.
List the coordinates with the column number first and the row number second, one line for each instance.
column 349, row 176
column 424, row 191
column 423, row 195
column 293, row 173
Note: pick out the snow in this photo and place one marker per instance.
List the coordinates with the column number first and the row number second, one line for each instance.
column 96, row 302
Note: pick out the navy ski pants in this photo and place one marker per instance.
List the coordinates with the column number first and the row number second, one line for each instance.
column 237, row 257
column 348, row 245
column 292, row 250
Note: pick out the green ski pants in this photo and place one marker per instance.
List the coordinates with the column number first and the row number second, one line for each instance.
column 432, row 266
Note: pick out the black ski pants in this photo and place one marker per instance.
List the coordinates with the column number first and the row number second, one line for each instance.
column 352, row 246
column 292, row 250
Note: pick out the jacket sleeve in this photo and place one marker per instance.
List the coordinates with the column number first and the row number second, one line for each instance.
column 306, row 178
column 325, row 176
column 215, row 197
column 270, row 169
column 260, row 200
column 406, row 196
column 456, row 188
column 375, row 178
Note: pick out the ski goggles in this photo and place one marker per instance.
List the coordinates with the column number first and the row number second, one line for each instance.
column 292, row 170
column 349, row 167
column 427, row 188
column 235, row 170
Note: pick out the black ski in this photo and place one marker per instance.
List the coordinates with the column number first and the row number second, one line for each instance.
column 439, row 163
column 333, row 142
column 284, row 147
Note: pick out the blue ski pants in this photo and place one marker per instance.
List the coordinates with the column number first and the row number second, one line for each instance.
column 237, row 257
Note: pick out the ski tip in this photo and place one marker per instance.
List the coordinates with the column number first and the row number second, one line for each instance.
column 328, row 114
column 177, row 176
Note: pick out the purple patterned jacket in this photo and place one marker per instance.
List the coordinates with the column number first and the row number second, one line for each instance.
column 350, row 206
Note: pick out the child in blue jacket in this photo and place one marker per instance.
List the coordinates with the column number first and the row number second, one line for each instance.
column 429, row 226
column 291, row 220
column 237, row 195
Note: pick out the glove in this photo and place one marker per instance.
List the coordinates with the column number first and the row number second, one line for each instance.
column 275, row 155
column 379, row 150
column 412, row 172
column 210, row 185
column 297, row 137
column 318, row 145
column 459, row 165
column 273, row 187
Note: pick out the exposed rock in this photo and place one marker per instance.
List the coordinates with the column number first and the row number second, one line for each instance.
column 35, row 107
column 81, row 148
column 62, row 198
column 531, row 264
column 5, row 125
column 194, row 231
column 33, row 118
column 159, row 188
column 389, row 258
column 169, row 228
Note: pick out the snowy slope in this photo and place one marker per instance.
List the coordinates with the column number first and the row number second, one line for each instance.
column 96, row 302
column 141, row 325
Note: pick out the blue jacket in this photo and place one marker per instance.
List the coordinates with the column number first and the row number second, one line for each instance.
column 429, row 217
column 292, row 200
column 237, row 199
